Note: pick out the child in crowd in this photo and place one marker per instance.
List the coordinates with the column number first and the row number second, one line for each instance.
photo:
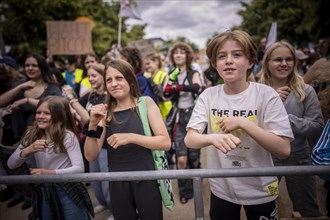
column 56, row 150
column 134, row 57
column 246, row 122
column 183, row 86
column 117, row 125
column 157, row 75
column 279, row 70
column 83, row 105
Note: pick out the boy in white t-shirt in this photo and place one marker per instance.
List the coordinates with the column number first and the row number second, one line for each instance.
column 245, row 122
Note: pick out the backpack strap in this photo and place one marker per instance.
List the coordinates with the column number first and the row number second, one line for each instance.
column 89, row 96
column 189, row 77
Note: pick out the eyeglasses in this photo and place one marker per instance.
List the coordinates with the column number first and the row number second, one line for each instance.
column 279, row 60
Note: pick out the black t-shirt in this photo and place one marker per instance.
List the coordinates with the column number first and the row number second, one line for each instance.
column 90, row 99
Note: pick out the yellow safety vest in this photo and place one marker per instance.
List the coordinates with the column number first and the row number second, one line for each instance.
column 165, row 107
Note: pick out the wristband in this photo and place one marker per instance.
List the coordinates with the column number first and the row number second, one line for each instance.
column 169, row 88
column 180, row 87
column 93, row 133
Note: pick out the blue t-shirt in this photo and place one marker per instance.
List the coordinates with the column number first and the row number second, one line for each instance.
column 70, row 79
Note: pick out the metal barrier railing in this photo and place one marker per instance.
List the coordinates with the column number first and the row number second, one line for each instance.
column 196, row 175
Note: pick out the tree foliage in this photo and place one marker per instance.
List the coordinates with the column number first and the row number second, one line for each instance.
column 23, row 23
column 298, row 21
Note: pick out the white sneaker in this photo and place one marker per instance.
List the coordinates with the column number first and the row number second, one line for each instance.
column 99, row 208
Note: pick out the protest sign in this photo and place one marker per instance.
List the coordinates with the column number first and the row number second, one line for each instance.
column 68, row 38
column 145, row 46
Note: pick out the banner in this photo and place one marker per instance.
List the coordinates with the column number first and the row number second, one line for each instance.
column 272, row 35
column 68, row 37
column 128, row 10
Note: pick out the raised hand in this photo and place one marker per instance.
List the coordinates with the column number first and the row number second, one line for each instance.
column 27, row 85
column 283, row 91
column 97, row 113
column 68, row 91
column 40, row 145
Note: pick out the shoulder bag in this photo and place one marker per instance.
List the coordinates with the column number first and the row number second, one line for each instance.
column 160, row 160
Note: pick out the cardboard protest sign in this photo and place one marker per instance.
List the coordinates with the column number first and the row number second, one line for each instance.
column 145, row 46
column 68, row 37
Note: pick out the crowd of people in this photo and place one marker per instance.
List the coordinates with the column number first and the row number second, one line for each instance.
column 252, row 107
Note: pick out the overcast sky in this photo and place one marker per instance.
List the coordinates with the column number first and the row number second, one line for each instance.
column 197, row 20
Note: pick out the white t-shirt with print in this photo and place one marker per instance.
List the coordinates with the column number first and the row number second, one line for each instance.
column 260, row 104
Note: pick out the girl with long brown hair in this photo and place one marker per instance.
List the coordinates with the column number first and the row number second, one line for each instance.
column 117, row 125
column 55, row 147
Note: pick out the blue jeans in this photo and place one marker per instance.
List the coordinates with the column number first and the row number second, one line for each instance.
column 70, row 209
column 101, row 189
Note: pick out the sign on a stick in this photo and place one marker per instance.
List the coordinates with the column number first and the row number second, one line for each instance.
column 68, row 37
column 146, row 47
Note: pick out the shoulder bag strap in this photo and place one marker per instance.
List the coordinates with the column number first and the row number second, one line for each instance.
column 142, row 106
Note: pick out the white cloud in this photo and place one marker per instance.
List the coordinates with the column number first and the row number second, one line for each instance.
column 197, row 20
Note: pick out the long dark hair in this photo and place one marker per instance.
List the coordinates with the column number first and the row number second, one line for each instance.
column 43, row 66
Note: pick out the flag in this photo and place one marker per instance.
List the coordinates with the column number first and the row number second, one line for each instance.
column 272, row 35
column 129, row 10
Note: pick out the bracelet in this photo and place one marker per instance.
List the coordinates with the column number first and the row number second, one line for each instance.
column 73, row 101
column 93, row 133
column 70, row 97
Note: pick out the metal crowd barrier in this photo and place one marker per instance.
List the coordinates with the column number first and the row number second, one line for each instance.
column 196, row 175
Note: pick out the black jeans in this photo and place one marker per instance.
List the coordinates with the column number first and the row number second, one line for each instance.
column 223, row 210
column 193, row 155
